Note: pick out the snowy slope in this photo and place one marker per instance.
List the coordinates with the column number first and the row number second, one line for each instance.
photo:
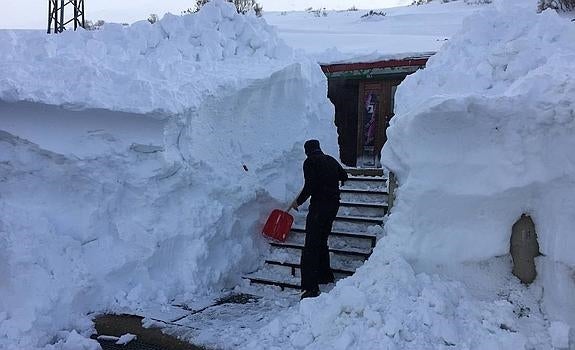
column 344, row 36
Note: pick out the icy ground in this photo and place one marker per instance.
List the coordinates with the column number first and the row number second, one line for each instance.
column 442, row 302
column 406, row 306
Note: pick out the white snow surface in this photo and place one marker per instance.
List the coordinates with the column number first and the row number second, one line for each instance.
column 138, row 163
column 348, row 36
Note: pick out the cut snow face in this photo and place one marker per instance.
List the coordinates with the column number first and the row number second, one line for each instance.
column 138, row 164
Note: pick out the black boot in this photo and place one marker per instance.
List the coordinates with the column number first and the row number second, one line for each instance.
column 309, row 294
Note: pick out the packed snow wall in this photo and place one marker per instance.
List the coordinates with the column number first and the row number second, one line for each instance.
column 151, row 178
column 484, row 134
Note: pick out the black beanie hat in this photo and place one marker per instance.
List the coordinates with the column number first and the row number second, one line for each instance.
column 310, row 146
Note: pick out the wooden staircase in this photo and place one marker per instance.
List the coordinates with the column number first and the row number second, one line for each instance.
column 363, row 204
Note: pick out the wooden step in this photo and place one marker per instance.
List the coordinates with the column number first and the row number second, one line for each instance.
column 294, row 265
column 371, row 237
column 352, row 252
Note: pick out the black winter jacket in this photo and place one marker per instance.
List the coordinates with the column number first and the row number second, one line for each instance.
column 322, row 175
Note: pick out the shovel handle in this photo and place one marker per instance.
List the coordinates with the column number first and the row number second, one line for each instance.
column 295, row 199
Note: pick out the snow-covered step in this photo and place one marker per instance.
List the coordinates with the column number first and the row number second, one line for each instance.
column 285, row 273
column 354, row 226
column 336, row 242
column 363, row 209
column 335, row 233
column 366, row 182
column 338, row 239
column 373, row 220
column 363, row 191
column 362, row 197
column 296, row 266
column 293, row 283
column 360, row 219
column 364, row 171
column 371, row 205
column 363, row 253
column 337, row 261
column 282, row 276
column 361, row 178
column 353, row 207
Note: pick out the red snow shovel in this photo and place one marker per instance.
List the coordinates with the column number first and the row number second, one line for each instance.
column 278, row 225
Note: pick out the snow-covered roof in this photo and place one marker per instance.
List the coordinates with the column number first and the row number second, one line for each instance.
column 351, row 36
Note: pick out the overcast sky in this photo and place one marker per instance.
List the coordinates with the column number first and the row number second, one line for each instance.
column 33, row 14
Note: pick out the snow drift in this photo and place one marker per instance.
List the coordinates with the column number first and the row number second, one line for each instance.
column 480, row 136
column 488, row 138
column 137, row 164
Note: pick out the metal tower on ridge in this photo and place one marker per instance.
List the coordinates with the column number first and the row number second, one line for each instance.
column 56, row 20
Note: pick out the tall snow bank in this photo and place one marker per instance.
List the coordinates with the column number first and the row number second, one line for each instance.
column 166, row 66
column 109, row 210
column 484, row 134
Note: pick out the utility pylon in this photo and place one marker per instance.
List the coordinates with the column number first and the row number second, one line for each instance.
column 56, row 19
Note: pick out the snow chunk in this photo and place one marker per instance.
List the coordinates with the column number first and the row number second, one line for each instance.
column 75, row 341
column 126, row 338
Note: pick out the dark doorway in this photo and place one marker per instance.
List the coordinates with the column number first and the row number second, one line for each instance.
column 343, row 93
column 363, row 109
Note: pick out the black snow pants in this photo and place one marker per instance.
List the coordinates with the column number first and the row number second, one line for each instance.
column 315, row 265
